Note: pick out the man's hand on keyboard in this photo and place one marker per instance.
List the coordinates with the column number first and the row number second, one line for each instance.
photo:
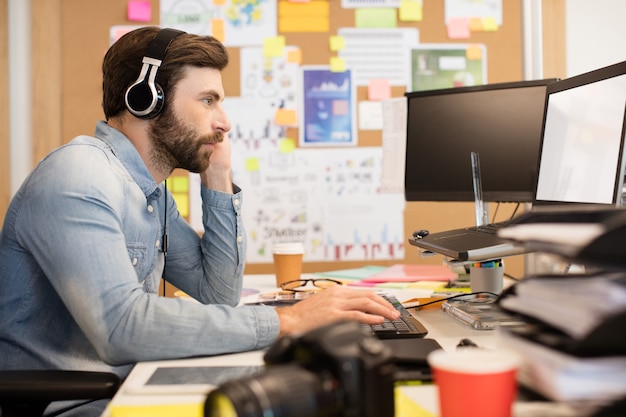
column 333, row 304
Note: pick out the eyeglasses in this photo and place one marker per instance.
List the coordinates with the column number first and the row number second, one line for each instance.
column 300, row 284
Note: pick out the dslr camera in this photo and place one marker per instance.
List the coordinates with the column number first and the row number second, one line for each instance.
column 335, row 370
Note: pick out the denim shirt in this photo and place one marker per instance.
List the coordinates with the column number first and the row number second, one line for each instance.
column 81, row 258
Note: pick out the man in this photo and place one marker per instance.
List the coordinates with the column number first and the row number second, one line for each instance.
column 91, row 231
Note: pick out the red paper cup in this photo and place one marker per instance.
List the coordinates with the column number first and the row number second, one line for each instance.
column 475, row 382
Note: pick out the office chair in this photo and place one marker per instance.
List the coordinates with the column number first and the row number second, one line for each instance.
column 27, row 393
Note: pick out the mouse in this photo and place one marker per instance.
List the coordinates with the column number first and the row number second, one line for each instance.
column 419, row 234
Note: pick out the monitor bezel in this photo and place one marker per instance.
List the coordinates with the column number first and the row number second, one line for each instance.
column 468, row 196
column 580, row 80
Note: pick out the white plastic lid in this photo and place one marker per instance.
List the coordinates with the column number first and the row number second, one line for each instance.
column 288, row 248
column 474, row 360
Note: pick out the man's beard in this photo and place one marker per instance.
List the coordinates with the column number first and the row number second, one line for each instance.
column 178, row 145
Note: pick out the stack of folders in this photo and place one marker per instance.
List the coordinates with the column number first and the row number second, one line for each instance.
column 574, row 345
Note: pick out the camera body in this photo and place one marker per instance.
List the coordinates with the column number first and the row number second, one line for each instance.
column 334, row 370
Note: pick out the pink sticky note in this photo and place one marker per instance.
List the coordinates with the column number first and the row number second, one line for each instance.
column 139, row 11
column 459, row 28
column 379, row 89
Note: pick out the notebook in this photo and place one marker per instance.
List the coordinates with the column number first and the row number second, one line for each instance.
column 581, row 164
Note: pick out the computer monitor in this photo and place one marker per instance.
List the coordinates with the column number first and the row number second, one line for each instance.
column 581, row 160
column 501, row 122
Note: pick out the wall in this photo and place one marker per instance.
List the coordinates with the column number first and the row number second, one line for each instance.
column 595, row 33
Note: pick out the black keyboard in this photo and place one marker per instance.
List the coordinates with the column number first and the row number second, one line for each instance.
column 404, row 326
column 491, row 228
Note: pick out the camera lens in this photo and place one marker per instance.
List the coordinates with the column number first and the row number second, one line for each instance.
column 282, row 391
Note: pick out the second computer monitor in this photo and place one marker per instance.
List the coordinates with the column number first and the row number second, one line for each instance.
column 501, row 122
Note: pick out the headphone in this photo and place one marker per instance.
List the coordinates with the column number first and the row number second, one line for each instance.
column 144, row 98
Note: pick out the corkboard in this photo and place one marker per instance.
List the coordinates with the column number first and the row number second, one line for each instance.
column 84, row 35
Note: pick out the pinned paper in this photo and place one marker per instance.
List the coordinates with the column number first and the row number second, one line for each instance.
column 217, row 29
column 286, row 117
column 287, row 145
column 252, row 164
column 139, row 11
column 459, row 28
column 375, row 18
column 303, row 16
column 476, row 24
column 490, row 24
column 294, row 56
column 337, row 43
column 410, row 11
column 379, row 89
column 337, row 64
column 474, row 52
column 274, row 47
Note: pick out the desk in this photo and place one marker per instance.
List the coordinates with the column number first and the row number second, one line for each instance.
column 440, row 327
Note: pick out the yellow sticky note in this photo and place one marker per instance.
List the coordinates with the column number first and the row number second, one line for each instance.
column 252, row 164
column 159, row 410
column 410, row 11
column 303, row 17
column 286, row 117
column 379, row 89
column 337, row 64
column 182, row 202
column 217, row 29
column 337, row 43
column 458, row 28
column 375, row 18
column 179, row 184
column 474, row 52
column 406, row 407
column 294, row 56
column 219, row 2
column 490, row 24
column 287, row 145
column 274, row 47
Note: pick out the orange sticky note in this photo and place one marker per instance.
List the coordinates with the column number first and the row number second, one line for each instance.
column 294, row 56
column 458, row 28
column 139, row 11
column 379, row 89
column 474, row 52
column 286, row 117
column 476, row 24
column 217, row 29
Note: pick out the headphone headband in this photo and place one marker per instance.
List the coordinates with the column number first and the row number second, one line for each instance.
column 144, row 98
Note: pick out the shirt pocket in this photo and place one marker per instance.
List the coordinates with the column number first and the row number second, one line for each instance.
column 137, row 254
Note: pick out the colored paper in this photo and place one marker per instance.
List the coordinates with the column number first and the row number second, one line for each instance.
column 294, row 56
column 158, row 410
column 252, row 164
column 337, row 43
column 490, row 24
column 337, row 64
column 217, row 29
column 303, row 17
column 139, row 11
column 379, row 89
column 459, row 28
column 474, row 52
column 274, row 47
column 287, row 145
column 375, row 18
column 413, row 273
column 179, row 184
column 286, row 117
column 410, row 11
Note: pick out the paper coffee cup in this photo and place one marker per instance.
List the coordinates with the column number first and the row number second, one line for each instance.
column 475, row 381
column 287, row 261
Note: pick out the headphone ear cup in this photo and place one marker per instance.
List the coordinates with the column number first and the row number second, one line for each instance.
column 143, row 101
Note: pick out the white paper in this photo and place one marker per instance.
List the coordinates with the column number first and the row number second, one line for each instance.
column 394, row 145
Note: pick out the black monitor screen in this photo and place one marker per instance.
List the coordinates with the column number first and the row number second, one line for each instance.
column 501, row 122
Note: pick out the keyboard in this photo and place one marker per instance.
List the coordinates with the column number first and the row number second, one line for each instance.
column 404, row 326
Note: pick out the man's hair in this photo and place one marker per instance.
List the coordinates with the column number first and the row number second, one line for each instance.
column 122, row 64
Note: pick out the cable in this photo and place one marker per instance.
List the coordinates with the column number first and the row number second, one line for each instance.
column 456, row 296
column 164, row 238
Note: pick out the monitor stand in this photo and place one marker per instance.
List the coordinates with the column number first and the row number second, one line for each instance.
column 482, row 209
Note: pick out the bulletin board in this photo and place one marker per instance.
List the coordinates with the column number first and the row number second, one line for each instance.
column 85, row 38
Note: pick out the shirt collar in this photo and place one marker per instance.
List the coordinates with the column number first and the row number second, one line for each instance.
column 127, row 154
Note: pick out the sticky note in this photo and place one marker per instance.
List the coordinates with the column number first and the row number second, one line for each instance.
column 410, row 11
column 287, row 145
column 379, row 89
column 476, row 24
column 274, row 47
column 337, row 43
column 252, row 164
column 286, row 117
column 474, row 52
column 303, row 16
column 219, row 2
column 375, row 18
column 179, row 184
column 217, row 29
column 294, row 56
column 182, row 202
column 490, row 24
column 337, row 64
column 458, row 28
column 139, row 11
